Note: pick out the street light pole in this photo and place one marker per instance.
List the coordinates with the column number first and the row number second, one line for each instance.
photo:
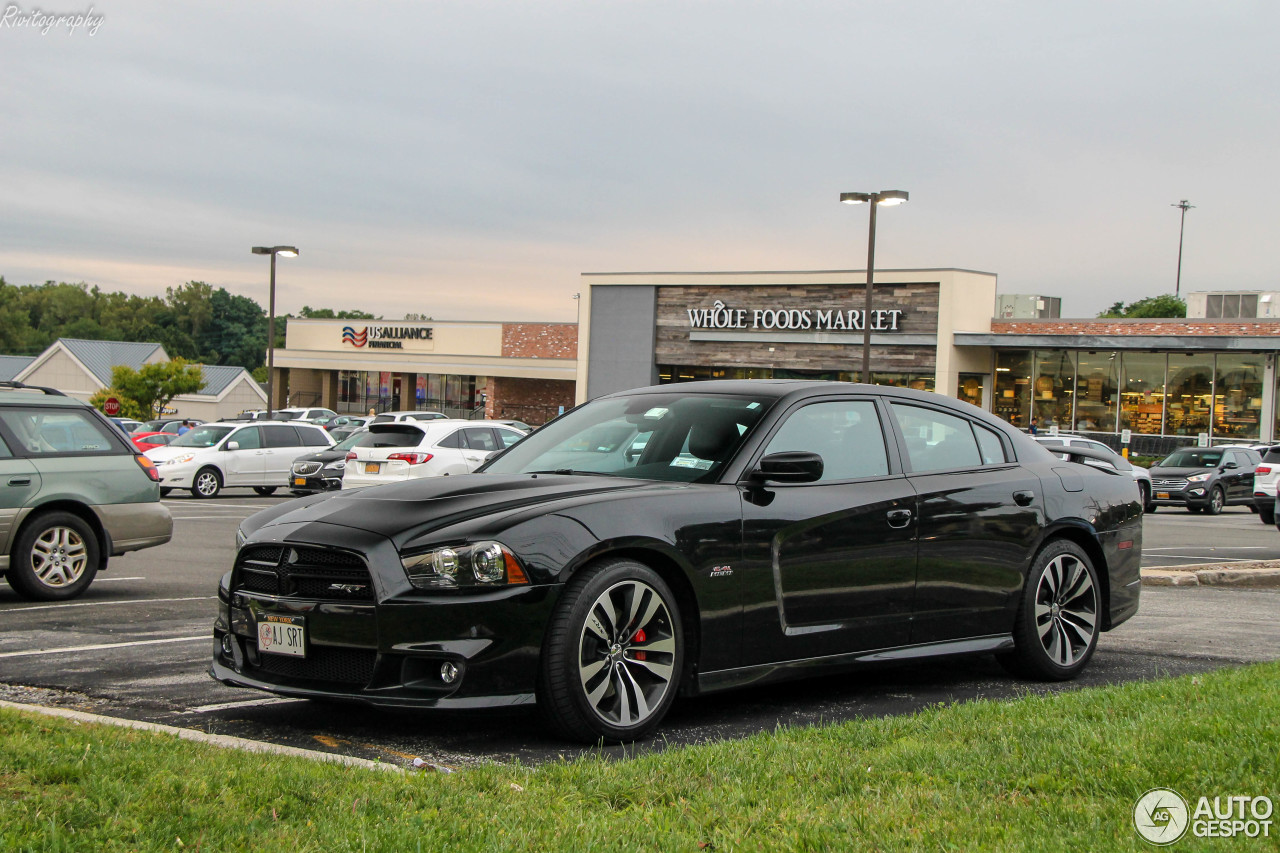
column 887, row 197
column 288, row 252
column 1177, row 288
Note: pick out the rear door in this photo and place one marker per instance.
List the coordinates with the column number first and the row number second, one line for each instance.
column 283, row 446
column 19, row 482
column 481, row 443
column 980, row 517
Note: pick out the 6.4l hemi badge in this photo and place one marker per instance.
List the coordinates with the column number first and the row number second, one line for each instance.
column 721, row 571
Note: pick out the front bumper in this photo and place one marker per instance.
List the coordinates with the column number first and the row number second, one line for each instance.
column 315, row 483
column 176, row 476
column 1193, row 494
column 391, row 652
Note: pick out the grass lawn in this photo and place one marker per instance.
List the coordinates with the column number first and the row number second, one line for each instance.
column 1038, row 773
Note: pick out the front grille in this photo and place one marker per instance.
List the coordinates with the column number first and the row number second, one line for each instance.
column 306, row 469
column 1172, row 483
column 314, row 573
column 323, row 663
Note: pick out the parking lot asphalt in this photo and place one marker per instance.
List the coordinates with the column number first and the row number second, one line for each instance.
column 136, row 645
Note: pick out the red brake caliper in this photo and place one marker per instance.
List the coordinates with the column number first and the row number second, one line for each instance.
column 639, row 638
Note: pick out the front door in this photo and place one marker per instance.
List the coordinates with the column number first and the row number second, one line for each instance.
column 243, row 466
column 829, row 567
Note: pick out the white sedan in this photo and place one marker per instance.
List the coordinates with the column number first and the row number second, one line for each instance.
column 406, row 450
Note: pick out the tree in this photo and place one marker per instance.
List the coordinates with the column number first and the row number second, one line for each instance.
column 154, row 386
column 1154, row 307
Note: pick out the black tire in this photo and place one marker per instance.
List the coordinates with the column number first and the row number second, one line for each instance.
column 1266, row 514
column 1150, row 508
column 164, row 492
column 206, row 483
column 589, row 691
column 1253, row 508
column 1217, row 500
column 1144, row 490
column 55, row 558
column 265, row 491
column 1195, row 510
column 1059, row 618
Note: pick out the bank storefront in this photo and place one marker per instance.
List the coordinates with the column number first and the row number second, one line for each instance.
column 523, row 371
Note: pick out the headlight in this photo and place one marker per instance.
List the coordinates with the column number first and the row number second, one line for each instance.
column 240, row 537
column 178, row 460
column 336, row 465
column 483, row 563
column 1199, row 478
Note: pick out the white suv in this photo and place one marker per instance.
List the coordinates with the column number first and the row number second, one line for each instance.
column 395, row 417
column 1264, row 484
column 405, row 450
column 223, row 455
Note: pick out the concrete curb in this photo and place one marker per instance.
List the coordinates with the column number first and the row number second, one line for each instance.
column 224, row 741
column 1256, row 574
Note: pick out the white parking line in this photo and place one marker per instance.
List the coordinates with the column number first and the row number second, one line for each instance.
column 1228, row 547
column 108, row 580
column 198, row 517
column 103, row 646
column 98, row 603
column 217, row 506
column 248, row 703
column 1203, row 558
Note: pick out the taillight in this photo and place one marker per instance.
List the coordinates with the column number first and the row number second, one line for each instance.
column 351, row 454
column 1263, row 469
column 148, row 466
column 411, row 458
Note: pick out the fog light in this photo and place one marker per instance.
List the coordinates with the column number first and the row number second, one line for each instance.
column 448, row 672
column 1197, row 491
column 228, row 647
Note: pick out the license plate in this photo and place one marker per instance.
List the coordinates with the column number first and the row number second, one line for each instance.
column 299, row 481
column 282, row 635
column 1162, row 496
column 372, row 467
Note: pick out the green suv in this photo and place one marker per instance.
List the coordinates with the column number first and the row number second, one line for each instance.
column 73, row 492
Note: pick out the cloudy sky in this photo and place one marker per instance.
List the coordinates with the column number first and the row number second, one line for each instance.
column 469, row 159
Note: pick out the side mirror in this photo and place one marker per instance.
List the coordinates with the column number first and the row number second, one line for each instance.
column 792, row 466
column 1230, row 465
column 233, row 445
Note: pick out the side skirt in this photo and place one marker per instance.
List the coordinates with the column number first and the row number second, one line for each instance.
column 787, row 670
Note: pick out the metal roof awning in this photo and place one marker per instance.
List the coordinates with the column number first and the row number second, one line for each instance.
column 1171, row 343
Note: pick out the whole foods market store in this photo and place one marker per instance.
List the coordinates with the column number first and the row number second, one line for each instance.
column 1168, row 382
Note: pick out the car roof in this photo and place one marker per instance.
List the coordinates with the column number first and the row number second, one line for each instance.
column 31, row 395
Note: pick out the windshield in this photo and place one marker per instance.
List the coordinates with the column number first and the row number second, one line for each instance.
column 681, row 436
column 202, row 436
column 1202, row 458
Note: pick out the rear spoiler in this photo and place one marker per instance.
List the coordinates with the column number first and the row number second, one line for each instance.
column 1085, row 456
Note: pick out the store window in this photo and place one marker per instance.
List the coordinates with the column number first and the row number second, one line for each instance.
column 915, row 381
column 969, row 388
column 1237, row 410
column 1190, row 394
column 1013, row 387
column 1142, row 377
column 1053, row 388
column 1097, row 387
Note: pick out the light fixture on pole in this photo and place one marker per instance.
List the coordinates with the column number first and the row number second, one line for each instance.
column 288, row 252
column 885, row 197
column 1177, row 287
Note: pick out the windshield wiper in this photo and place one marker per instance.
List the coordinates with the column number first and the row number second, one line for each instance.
column 569, row 472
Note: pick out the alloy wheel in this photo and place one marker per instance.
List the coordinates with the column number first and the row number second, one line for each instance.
column 1066, row 610
column 59, row 557
column 627, row 653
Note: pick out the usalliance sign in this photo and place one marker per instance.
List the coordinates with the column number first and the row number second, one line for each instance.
column 721, row 316
column 384, row 337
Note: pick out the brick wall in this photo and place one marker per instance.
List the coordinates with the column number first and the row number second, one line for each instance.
column 539, row 340
column 533, row 401
column 1243, row 328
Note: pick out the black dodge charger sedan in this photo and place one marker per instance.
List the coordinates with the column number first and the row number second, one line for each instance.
column 686, row 539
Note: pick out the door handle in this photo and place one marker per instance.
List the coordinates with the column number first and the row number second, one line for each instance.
column 898, row 518
column 19, row 481
column 1024, row 497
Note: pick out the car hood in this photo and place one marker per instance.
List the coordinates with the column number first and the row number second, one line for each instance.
column 167, row 452
column 322, row 456
column 403, row 510
column 1181, row 472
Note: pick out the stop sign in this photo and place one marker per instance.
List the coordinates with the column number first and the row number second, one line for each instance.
column 111, row 407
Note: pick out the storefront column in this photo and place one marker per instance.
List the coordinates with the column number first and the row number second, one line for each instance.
column 280, row 388
column 1266, row 430
column 408, row 391
column 329, row 389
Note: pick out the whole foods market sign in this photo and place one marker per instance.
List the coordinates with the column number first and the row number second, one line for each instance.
column 721, row 316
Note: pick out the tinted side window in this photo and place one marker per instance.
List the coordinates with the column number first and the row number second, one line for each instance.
column 481, row 439
column 248, row 438
column 48, row 431
column 282, row 436
column 313, row 438
column 453, row 440
column 989, row 445
column 508, row 437
column 936, row 441
column 846, row 434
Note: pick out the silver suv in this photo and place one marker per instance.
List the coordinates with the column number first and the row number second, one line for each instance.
column 73, row 492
